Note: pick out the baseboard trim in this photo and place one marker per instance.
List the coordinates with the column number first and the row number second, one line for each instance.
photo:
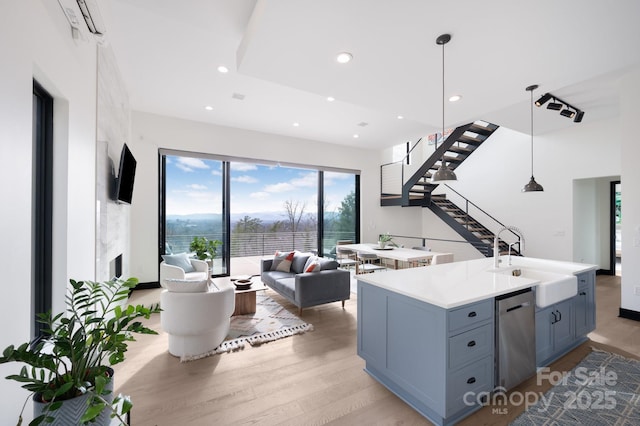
column 629, row 314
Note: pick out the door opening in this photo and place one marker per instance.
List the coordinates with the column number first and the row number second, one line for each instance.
column 616, row 228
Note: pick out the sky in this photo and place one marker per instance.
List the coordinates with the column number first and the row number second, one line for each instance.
column 194, row 186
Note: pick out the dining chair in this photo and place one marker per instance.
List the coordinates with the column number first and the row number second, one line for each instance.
column 423, row 262
column 369, row 263
column 346, row 258
column 439, row 259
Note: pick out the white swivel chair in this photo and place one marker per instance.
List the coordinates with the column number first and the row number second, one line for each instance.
column 197, row 322
column 177, row 273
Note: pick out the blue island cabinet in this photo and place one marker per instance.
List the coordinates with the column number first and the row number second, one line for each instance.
column 439, row 361
column 563, row 326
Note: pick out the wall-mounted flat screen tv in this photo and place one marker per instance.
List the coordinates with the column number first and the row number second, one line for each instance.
column 126, row 176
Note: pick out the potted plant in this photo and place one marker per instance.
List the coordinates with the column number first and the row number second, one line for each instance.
column 383, row 240
column 72, row 359
column 205, row 249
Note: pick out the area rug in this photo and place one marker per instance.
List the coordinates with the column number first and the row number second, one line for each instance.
column 270, row 322
column 603, row 389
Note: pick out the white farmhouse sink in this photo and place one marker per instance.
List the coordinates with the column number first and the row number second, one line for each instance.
column 553, row 287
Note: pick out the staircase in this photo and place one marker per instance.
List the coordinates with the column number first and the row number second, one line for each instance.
column 417, row 189
column 461, row 143
column 470, row 229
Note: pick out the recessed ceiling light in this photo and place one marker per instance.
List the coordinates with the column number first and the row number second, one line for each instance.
column 296, row 124
column 209, row 108
column 356, row 136
column 455, row 98
column 344, row 57
column 223, row 69
column 400, row 117
column 330, row 99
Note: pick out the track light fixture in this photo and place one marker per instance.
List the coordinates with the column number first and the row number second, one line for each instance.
column 567, row 113
column 543, row 99
column 566, row 109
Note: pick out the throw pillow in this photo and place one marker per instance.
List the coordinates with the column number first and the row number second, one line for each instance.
column 181, row 260
column 299, row 261
column 282, row 261
column 328, row 264
column 186, row 286
column 313, row 264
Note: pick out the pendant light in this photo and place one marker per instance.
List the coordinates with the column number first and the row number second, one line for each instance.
column 444, row 173
column 532, row 186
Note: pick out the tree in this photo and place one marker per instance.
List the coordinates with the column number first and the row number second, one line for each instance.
column 347, row 212
column 295, row 212
column 248, row 224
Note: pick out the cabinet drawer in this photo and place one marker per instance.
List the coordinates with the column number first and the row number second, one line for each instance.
column 471, row 345
column 464, row 385
column 469, row 315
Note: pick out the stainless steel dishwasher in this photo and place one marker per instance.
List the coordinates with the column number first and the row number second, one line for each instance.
column 515, row 338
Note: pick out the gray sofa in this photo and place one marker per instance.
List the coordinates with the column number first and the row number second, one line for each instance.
column 330, row 284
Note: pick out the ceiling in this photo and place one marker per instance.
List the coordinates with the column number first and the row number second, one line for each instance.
column 281, row 59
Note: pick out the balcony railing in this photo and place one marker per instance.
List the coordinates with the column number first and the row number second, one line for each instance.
column 262, row 243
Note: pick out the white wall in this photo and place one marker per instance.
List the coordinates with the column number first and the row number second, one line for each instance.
column 629, row 112
column 35, row 42
column 494, row 175
column 151, row 132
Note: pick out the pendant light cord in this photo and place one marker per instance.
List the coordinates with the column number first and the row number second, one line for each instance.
column 531, row 104
column 443, row 99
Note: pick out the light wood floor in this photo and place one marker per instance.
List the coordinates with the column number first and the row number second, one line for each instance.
column 309, row 379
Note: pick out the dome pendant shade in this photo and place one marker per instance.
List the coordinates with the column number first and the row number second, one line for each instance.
column 532, row 186
column 444, row 173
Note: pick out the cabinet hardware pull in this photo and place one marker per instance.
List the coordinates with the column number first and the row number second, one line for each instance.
column 582, row 293
column 471, row 343
column 559, row 315
column 472, row 314
column 555, row 318
column 471, row 380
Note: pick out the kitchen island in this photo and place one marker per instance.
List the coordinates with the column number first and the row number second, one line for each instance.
column 428, row 334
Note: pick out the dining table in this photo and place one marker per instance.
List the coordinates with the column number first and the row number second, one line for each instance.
column 394, row 253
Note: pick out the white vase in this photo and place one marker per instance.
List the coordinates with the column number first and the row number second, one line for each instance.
column 381, row 244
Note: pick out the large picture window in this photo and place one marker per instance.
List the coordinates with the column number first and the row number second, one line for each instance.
column 254, row 208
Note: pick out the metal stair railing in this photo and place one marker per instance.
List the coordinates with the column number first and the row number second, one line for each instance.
column 485, row 249
column 496, row 225
column 390, row 177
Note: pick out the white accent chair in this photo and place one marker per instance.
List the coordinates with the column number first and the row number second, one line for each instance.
column 177, row 273
column 197, row 322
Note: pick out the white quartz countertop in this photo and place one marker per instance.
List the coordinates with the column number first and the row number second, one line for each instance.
column 456, row 284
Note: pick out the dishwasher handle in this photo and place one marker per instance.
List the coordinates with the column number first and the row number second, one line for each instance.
column 522, row 305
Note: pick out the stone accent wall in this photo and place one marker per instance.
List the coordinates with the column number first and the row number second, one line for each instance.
column 113, row 130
